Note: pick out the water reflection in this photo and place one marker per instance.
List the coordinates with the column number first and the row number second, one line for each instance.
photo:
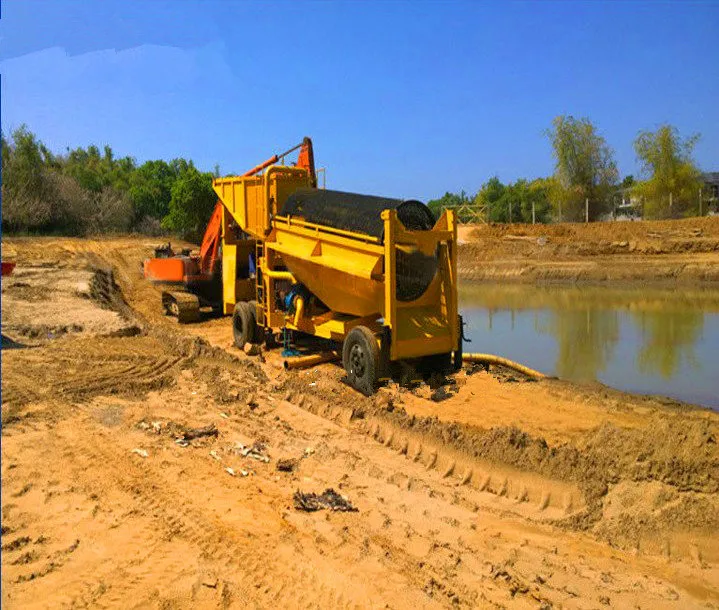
column 586, row 339
column 647, row 340
column 668, row 339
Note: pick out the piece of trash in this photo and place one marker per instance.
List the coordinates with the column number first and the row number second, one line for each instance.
column 182, row 442
column 309, row 451
column 244, row 473
column 143, row 425
column 193, row 392
column 229, row 470
column 329, row 498
column 258, row 451
column 191, row 433
column 213, row 454
column 224, row 415
column 140, row 452
column 313, row 384
column 157, row 427
column 286, row 464
column 210, row 583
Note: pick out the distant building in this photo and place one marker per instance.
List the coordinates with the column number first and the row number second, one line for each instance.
column 627, row 206
column 710, row 192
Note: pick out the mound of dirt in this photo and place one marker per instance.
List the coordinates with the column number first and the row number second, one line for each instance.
column 671, row 250
column 44, row 301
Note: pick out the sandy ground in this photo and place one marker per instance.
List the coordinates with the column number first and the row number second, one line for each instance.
column 505, row 493
column 685, row 251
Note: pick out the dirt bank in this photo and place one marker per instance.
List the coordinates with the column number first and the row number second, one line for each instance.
column 685, row 251
column 489, row 490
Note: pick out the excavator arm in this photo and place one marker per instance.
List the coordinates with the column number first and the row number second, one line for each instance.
column 210, row 247
column 191, row 273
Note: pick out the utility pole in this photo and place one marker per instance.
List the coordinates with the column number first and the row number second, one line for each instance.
column 700, row 202
column 586, row 210
column 510, row 211
column 534, row 218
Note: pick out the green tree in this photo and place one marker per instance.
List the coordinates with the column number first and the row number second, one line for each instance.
column 151, row 189
column 585, row 168
column 449, row 201
column 491, row 195
column 671, row 187
column 538, row 193
column 628, row 181
column 191, row 203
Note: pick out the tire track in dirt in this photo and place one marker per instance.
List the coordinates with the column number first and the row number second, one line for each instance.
column 215, row 540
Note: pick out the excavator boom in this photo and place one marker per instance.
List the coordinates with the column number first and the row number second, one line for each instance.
column 198, row 276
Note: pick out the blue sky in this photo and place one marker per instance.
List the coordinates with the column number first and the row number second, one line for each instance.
column 405, row 99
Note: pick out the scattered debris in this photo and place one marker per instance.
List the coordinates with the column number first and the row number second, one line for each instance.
column 230, row 471
column 252, row 350
column 213, row 454
column 257, row 451
column 423, row 391
column 286, row 464
column 309, row 451
column 140, row 452
column 440, row 394
column 224, row 415
column 191, row 433
column 244, row 473
column 182, row 442
column 210, row 583
column 329, row 498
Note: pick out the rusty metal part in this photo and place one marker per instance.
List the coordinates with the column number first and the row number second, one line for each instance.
column 303, row 362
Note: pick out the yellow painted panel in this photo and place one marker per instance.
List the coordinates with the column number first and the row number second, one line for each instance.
column 229, row 272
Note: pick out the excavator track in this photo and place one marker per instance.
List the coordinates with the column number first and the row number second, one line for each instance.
column 185, row 306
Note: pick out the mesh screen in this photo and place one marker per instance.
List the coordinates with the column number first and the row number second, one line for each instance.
column 362, row 214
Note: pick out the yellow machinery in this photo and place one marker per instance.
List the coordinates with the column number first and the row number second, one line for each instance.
column 376, row 275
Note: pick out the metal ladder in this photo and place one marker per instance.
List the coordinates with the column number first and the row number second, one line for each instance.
column 259, row 284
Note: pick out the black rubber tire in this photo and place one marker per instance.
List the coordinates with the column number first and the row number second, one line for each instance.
column 360, row 357
column 244, row 325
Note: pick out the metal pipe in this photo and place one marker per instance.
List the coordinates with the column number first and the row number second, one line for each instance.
column 511, row 364
column 270, row 161
column 261, row 166
column 299, row 310
column 302, row 362
column 279, row 275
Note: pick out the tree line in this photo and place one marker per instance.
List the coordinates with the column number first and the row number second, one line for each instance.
column 585, row 183
column 88, row 191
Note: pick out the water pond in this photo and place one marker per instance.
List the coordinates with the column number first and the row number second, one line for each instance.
column 648, row 340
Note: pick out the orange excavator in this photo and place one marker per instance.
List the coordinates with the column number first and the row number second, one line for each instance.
column 195, row 280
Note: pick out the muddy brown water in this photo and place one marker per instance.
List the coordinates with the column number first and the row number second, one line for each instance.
column 659, row 341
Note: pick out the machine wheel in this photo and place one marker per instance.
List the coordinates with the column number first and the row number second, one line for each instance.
column 244, row 324
column 182, row 305
column 360, row 357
